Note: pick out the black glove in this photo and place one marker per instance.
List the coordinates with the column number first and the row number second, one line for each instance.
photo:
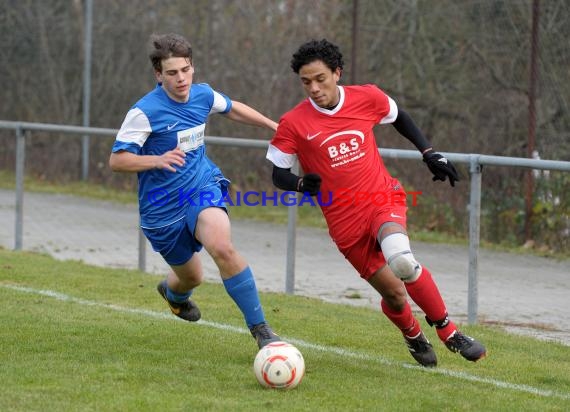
column 310, row 183
column 441, row 167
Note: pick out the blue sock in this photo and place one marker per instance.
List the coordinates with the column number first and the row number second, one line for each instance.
column 177, row 297
column 243, row 291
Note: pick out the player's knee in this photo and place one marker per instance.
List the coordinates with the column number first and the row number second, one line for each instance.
column 395, row 299
column 223, row 251
column 396, row 250
column 405, row 267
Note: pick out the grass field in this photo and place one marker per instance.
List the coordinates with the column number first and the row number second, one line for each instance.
column 82, row 338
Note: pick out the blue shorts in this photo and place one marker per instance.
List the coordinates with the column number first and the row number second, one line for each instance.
column 176, row 242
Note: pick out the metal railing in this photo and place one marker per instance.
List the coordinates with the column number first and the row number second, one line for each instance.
column 475, row 162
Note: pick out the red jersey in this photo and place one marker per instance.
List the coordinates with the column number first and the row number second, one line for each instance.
column 339, row 145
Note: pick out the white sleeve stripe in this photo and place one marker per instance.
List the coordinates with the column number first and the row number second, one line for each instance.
column 220, row 103
column 279, row 158
column 392, row 114
column 135, row 128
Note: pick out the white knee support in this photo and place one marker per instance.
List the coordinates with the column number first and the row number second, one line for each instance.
column 398, row 255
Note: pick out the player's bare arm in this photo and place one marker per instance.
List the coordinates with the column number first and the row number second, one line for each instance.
column 124, row 161
column 244, row 114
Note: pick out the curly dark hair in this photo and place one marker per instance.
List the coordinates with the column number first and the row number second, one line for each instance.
column 314, row 50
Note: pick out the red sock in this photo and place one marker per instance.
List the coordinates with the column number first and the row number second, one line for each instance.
column 425, row 293
column 404, row 320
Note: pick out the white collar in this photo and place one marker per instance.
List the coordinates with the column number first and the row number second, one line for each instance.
column 337, row 107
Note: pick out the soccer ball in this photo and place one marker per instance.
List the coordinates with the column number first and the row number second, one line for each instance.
column 279, row 365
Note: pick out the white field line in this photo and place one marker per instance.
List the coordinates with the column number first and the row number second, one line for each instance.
column 329, row 349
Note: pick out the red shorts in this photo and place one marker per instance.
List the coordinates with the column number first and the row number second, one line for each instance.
column 364, row 252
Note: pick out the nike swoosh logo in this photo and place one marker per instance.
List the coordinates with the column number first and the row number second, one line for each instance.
column 396, row 216
column 216, row 202
column 174, row 310
column 311, row 137
column 170, row 126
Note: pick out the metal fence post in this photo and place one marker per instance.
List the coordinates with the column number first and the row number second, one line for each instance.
column 291, row 240
column 142, row 251
column 474, row 220
column 86, row 87
column 20, row 162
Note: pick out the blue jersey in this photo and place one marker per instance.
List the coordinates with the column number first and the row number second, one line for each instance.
column 157, row 124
